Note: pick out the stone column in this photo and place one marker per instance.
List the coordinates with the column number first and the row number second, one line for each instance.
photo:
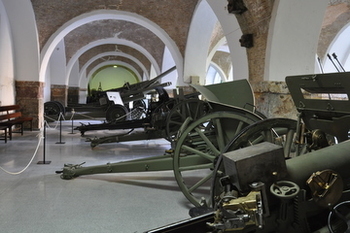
column 73, row 95
column 273, row 99
column 59, row 93
column 29, row 95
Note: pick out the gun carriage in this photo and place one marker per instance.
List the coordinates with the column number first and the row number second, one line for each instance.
column 266, row 175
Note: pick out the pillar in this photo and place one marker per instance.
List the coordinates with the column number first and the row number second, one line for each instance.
column 59, row 93
column 29, row 96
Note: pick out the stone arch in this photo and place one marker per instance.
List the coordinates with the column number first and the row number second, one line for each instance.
column 198, row 42
column 106, row 63
column 106, row 14
column 340, row 46
column 232, row 31
column 82, row 50
column 7, row 82
column 83, row 69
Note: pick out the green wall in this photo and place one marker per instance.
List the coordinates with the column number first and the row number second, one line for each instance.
column 112, row 77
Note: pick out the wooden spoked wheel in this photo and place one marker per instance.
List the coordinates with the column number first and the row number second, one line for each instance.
column 198, row 147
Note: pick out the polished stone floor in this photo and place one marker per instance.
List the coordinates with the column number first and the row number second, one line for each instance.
column 36, row 199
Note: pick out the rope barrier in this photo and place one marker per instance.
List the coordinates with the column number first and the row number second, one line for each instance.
column 31, row 160
column 40, row 135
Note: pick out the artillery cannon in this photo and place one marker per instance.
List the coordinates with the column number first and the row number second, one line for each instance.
column 114, row 103
column 201, row 143
column 218, row 126
column 167, row 118
column 263, row 193
column 296, row 183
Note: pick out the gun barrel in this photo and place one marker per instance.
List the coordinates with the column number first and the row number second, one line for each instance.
column 336, row 158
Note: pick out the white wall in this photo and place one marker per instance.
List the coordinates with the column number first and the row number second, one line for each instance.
column 198, row 42
column 24, row 38
column 168, row 62
column 58, row 65
column 293, row 37
column 74, row 77
column 7, row 89
column 233, row 34
column 341, row 47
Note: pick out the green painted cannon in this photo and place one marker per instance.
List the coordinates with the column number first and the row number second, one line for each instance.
column 282, row 175
column 200, row 143
column 216, row 129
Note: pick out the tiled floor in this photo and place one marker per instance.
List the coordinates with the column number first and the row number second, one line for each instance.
column 38, row 200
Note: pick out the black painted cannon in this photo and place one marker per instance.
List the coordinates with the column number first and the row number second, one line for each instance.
column 118, row 104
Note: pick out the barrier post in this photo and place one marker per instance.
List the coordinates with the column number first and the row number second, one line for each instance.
column 44, row 148
column 60, row 142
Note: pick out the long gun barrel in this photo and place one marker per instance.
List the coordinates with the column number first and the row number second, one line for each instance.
column 145, row 84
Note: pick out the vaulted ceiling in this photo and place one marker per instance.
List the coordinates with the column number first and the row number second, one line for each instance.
column 133, row 43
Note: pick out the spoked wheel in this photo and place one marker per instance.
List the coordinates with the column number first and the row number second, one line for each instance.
column 279, row 131
column 116, row 113
column 138, row 110
column 159, row 114
column 52, row 109
column 198, row 147
column 193, row 108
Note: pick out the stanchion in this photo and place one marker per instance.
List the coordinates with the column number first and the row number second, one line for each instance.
column 44, row 148
column 60, row 142
column 73, row 112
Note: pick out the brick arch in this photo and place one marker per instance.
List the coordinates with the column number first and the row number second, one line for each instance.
column 106, row 14
column 83, row 69
column 107, row 41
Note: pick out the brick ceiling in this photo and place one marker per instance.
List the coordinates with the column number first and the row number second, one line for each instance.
column 173, row 17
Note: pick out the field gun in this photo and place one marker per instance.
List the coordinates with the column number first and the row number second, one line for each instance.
column 264, row 193
column 299, row 182
column 217, row 128
column 117, row 104
column 165, row 120
column 201, row 143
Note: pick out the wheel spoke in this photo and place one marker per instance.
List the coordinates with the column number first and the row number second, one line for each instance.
column 198, row 152
column 240, row 126
column 200, row 182
column 280, row 131
column 219, row 134
column 196, row 167
column 210, row 145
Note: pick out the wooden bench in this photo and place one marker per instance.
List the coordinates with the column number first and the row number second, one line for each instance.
column 4, row 128
column 11, row 116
